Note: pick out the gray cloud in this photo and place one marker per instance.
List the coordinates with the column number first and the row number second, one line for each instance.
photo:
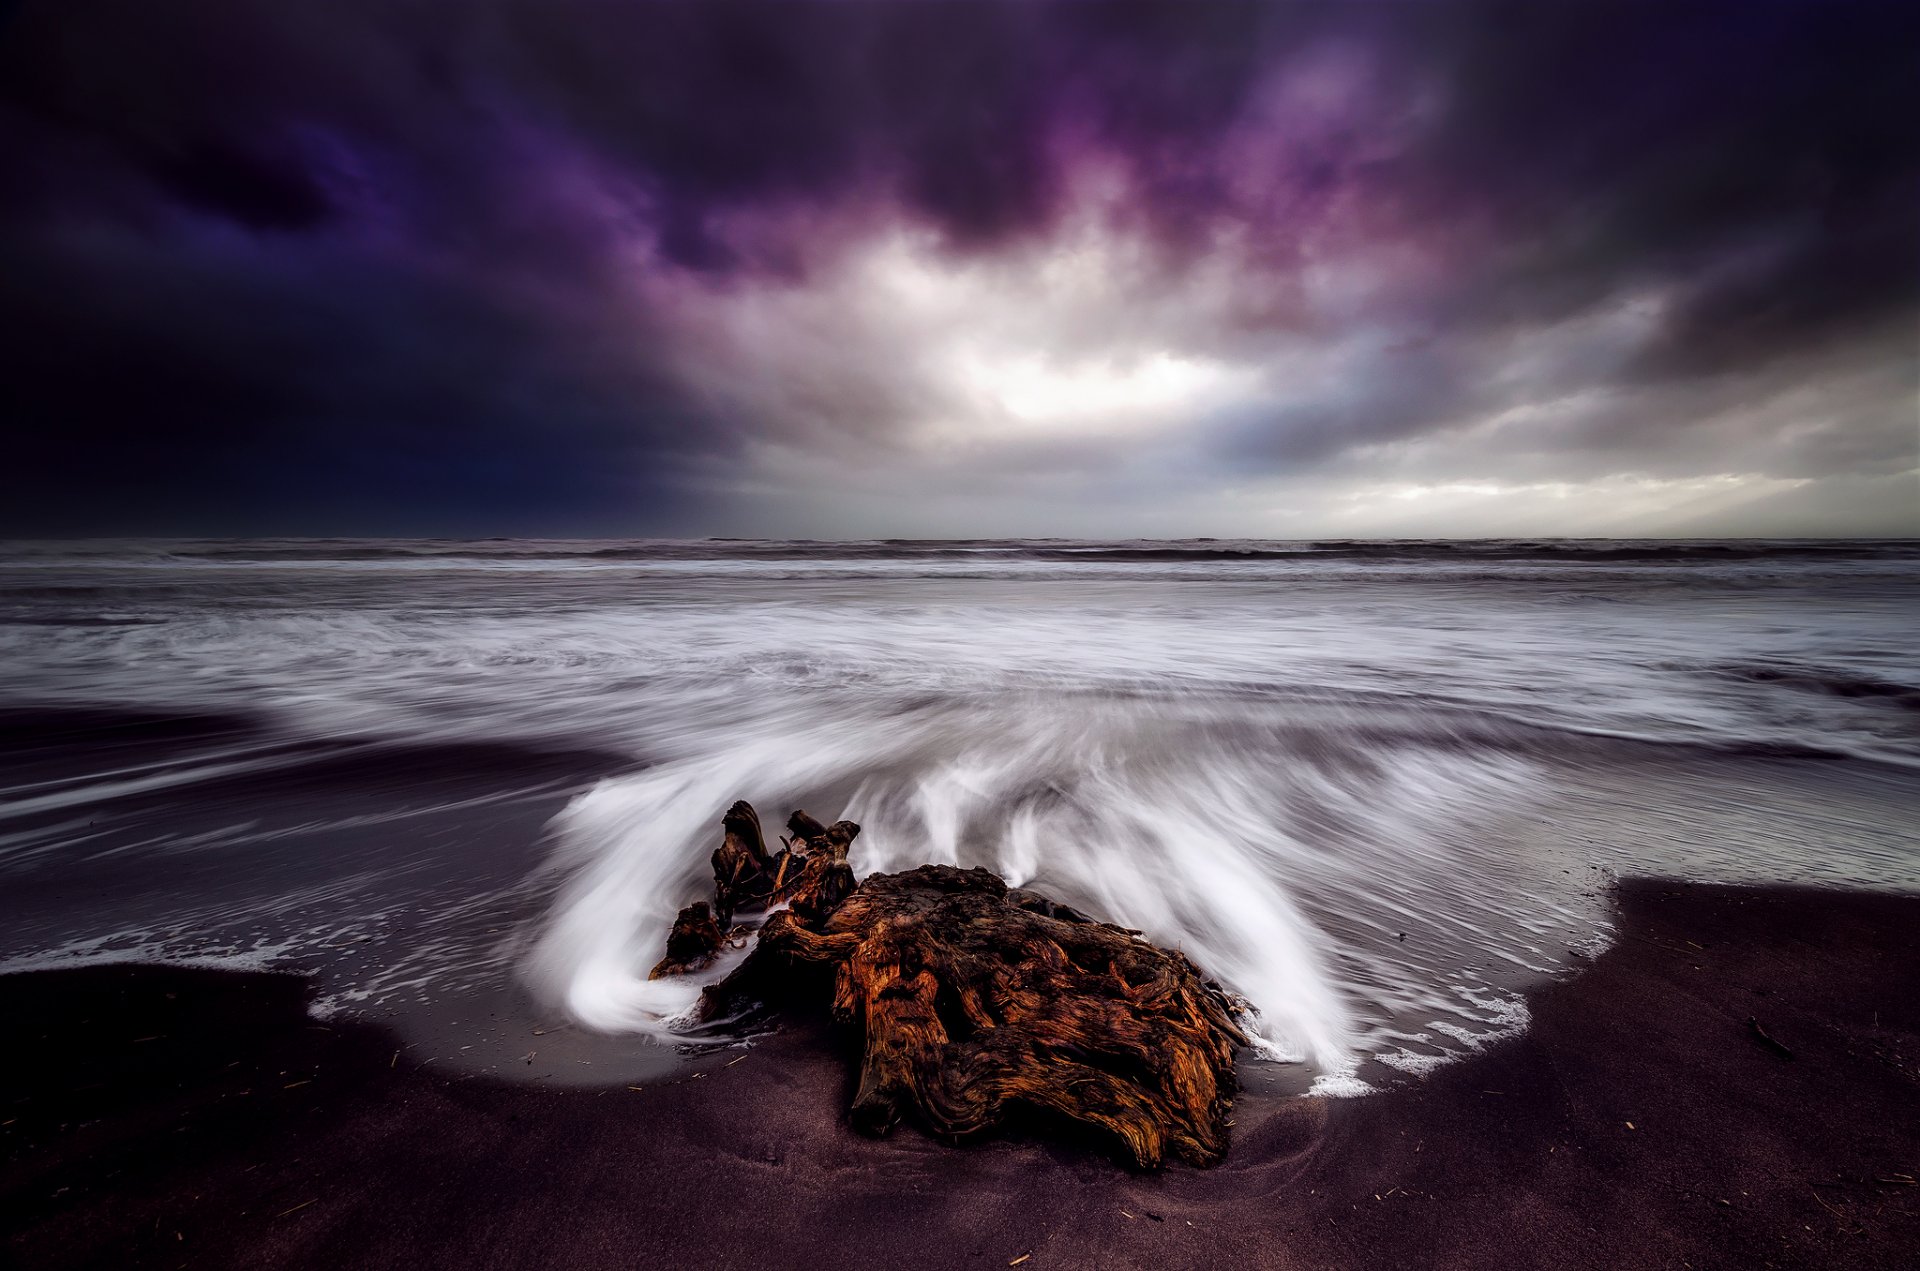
column 605, row 267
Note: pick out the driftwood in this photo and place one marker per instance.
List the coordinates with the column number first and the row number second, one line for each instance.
column 809, row 877
column 973, row 998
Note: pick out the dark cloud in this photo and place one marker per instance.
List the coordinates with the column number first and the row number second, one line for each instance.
column 256, row 192
column 1766, row 155
column 390, row 267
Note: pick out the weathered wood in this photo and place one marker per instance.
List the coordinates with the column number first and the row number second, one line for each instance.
column 693, row 943
column 810, row 875
column 742, row 870
column 974, row 998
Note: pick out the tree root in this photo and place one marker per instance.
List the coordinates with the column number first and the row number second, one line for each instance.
column 975, row 998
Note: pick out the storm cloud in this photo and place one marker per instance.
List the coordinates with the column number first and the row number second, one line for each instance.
column 905, row 268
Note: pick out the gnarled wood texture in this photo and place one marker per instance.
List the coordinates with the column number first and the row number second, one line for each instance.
column 974, row 997
column 809, row 876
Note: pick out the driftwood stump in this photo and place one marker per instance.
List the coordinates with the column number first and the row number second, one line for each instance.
column 974, row 997
column 810, row 876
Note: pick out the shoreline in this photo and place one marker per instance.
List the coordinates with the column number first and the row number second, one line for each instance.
column 158, row 1116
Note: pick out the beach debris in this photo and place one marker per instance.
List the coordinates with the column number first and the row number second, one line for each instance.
column 975, row 999
column 692, row 944
column 806, row 873
column 1767, row 1039
column 1829, row 1208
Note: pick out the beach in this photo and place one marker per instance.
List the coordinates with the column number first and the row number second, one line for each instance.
column 914, row 635
column 331, row 873
column 169, row 1117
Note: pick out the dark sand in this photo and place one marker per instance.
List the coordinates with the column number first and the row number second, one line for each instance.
column 168, row 1118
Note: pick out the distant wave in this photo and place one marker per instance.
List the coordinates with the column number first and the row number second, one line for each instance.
column 1831, row 683
column 1490, row 550
column 1571, row 551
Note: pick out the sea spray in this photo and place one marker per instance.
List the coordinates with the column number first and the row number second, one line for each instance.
column 1374, row 787
column 1203, row 823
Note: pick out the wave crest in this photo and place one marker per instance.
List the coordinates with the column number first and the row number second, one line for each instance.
column 1279, row 859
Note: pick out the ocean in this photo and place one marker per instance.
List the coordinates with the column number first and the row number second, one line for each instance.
column 1378, row 789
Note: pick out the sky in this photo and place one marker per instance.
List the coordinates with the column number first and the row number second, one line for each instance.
column 584, row 267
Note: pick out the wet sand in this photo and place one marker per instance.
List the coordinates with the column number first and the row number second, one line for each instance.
column 171, row 1117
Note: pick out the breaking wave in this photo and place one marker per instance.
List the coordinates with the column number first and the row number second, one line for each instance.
column 1330, row 778
column 1285, row 856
